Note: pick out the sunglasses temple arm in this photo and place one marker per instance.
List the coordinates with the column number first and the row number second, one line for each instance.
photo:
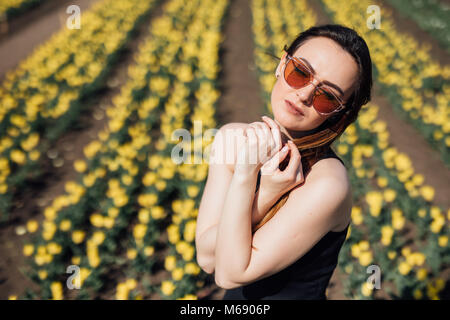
column 268, row 53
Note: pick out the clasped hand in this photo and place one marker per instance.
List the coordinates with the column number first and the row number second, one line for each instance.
column 262, row 149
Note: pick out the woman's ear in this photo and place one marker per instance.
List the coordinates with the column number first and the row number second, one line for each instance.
column 280, row 64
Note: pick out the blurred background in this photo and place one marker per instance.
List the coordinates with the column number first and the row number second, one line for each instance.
column 91, row 91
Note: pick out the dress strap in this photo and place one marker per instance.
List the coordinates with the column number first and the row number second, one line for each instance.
column 332, row 154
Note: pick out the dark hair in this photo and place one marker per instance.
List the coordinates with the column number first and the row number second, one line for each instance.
column 354, row 44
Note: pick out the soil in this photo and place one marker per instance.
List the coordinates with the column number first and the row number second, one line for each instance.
column 240, row 100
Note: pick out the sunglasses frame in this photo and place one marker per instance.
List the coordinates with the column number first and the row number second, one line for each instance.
column 299, row 60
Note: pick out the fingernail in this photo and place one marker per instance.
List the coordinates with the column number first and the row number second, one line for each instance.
column 284, row 149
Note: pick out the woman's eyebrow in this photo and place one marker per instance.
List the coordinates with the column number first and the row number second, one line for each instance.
column 331, row 84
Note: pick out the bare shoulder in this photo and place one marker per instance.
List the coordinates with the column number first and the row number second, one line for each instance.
column 331, row 175
column 330, row 168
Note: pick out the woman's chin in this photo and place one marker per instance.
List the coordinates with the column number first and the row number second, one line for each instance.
column 289, row 120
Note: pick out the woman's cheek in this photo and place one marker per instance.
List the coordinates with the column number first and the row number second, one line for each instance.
column 277, row 93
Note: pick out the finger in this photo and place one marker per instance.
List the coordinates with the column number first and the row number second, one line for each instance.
column 272, row 146
column 251, row 135
column 299, row 175
column 263, row 128
column 294, row 161
column 275, row 129
column 252, row 145
column 241, row 153
column 264, row 140
column 259, row 129
column 299, row 178
column 273, row 164
column 266, row 128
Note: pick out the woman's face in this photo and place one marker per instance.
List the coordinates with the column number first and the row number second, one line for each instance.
column 331, row 63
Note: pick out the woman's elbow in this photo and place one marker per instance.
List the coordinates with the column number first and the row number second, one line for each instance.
column 206, row 264
column 224, row 283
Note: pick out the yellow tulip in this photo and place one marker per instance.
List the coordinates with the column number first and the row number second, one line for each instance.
column 421, row 274
column 96, row 220
column 417, row 294
column 366, row 289
column 131, row 254
column 78, row 236
column 404, row 268
column 42, row 274
column 65, row 225
column 177, row 274
column 80, row 165
column 32, row 226
column 167, row 287
column 149, row 250
column 158, row 212
column 28, row 249
column 57, row 290
column 365, row 258
column 443, row 241
column 427, row 193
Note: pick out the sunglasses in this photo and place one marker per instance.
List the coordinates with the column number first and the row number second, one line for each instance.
column 297, row 75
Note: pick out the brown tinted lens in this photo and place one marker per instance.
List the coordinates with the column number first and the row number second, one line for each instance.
column 296, row 74
column 325, row 102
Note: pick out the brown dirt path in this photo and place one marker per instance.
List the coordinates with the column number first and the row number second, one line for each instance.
column 240, row 100
column 21, row 42
column 68, row 148
column 15, row 24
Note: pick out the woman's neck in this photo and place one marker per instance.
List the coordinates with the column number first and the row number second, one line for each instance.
column 299, row 134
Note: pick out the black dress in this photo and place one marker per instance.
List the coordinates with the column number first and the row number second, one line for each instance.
column 305, row 279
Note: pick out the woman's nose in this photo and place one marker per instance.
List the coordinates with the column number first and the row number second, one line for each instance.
column 306, row 93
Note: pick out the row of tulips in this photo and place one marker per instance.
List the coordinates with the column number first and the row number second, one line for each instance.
column 431, row 15
column 159, row 180
column 187, row 278
column 393, row 213
column 163, row 182
column 42, row 97
column 11, row 8
column 417, row 86
column 389, row 198
column 93, row 224
column 183, row 183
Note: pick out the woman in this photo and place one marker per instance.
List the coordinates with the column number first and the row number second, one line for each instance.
column 283, row 241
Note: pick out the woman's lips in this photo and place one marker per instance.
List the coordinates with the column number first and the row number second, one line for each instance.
column 292, row 109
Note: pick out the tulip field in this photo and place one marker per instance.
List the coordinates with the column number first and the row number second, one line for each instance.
column 124, row 212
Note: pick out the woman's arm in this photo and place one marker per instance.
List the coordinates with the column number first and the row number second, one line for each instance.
column 206, row 241
column 213, row 199
column 308, row 214
column 211, row 204
column 234, row 233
